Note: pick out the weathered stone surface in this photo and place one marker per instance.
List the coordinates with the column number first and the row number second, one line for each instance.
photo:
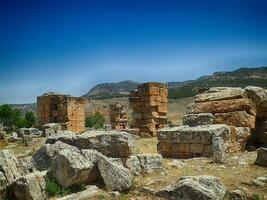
column 221, row 93
column 262, row 157
column 29, row 187
column 64, row 109
column 198, row 119
column 3, row 186
column 110, row 143
column 239, row 194
column 74, row 168
column 187, row 142
column 195, row 187
column 47, row 153
column 133, row 164
column 10, row 166
column 115, row 176
column 28, row 164
column 149, row 104
column 257, row 94
column 237, row 118
column 223, row 106
column 150, row 162
column 86, row 194
column 218, row 149
column 242, row 136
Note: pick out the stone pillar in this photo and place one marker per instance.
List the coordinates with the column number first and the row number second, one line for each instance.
column 149, row 104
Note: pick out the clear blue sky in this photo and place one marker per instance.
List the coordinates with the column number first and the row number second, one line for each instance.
column 69, row 46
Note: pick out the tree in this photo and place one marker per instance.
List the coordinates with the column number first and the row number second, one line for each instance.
column 30, row 119
column 8, row 116
column 96, row 121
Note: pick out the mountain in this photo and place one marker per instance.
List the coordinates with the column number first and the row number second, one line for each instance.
column 239, row 78
column 110, row 90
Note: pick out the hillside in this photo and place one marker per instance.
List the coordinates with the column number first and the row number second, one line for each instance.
column 110, row 90
column 241, row 77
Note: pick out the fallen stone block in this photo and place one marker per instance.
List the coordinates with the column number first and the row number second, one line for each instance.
column 112, row 144
column 187, row 142
column 262, row 157
column 150, row 162
column 50, row 129
column 237, row 118
column 29, row 187
column 221, row 93
column 44, row 157
column 115, row 176
column 74, row 168
column 218, row 149
column 3, row 186
column 223, row 106
column 133, row 164
column 198, row 119
column 195, row 187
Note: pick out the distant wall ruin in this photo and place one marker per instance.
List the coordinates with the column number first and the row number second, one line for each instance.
column 149, row 103
column 64, row 109
column 118, row 116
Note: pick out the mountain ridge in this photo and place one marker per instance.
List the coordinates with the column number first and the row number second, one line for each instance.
column 241, row 77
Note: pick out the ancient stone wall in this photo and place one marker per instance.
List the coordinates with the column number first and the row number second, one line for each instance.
column 64, row 109
column 149, row 104
column 118, row 116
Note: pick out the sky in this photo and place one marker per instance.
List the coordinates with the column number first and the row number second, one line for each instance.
column 69, row 46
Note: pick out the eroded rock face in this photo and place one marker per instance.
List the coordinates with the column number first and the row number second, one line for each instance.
column 29, row 187
column 198, row 119
column 3, row 186
column 73, row 168
column 10, row 166
column 237, row 118
column 115, row 176
column 223, row 106
column 221, row 93
column 195, row 187
column 44, row 157
column 110, row 143
column 133, row 164
column 262, row 157
column 257, row 94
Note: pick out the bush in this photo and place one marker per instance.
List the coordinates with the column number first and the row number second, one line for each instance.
column 256, row 197
column 53, row 188
column 96, row 121
column 30, row 119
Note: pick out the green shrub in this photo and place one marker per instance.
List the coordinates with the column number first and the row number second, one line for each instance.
column 256, row 197
column 53, row 188
column 96, row 121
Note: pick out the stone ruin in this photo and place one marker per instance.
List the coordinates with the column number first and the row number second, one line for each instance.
column 221, row 119
column 118, row 116
column 149, row 104
column 64, row 109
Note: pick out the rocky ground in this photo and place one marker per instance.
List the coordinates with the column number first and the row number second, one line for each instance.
column 239, row 171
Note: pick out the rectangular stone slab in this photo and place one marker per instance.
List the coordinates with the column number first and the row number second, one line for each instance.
column 221, row 94
column 223, row 106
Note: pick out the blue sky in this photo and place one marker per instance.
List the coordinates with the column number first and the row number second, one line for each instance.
column 69, row 46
